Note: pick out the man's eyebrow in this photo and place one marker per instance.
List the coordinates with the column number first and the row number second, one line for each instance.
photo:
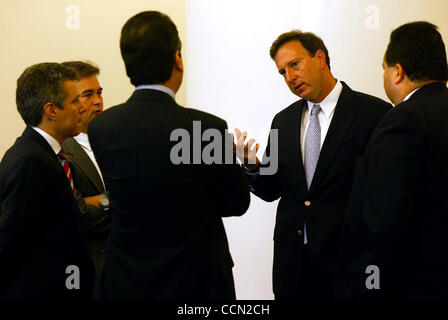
column 87, row 91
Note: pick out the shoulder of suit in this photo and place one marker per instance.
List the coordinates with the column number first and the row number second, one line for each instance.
column 367, row 100
column 69, row 144
column 199, row 115
column 27, row 153
column 291, row 111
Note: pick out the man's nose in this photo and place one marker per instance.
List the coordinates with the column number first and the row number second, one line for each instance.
column 289, row 75
column 97, row 100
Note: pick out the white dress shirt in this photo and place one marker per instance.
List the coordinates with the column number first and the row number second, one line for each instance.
column 325, row 116
column 409, row 95
column 158, row 87
column 83, row 140
column 54, row 144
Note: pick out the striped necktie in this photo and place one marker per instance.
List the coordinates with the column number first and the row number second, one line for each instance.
column 66, row 166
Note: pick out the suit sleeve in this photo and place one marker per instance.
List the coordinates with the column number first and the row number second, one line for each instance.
column 234, row 195
column 265, row 184
column 23, row 213
column 393, row 186
column 93, row 219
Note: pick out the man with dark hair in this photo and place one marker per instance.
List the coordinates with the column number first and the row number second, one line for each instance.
column 319, row 139
column 167, row 240
column 404, row 209
column 42, row 252
column 87, row 176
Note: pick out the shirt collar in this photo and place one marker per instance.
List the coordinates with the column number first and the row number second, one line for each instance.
column 329, row 103
column 158, row 87
column 409, row 95
column 83, row 140
column 54, row 144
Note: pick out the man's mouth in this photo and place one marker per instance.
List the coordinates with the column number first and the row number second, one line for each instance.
column 297, row 88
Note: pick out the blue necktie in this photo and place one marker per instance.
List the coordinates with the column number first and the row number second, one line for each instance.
column 312, row 145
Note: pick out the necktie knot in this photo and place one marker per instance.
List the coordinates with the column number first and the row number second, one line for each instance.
column 315, row 110
column 61, row 155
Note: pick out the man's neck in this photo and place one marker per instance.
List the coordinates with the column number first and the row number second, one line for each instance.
column 44, row 126
column 327, row 86
column 410, row 86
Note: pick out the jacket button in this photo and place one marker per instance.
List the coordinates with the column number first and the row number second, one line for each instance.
column 307, row 203
column 300, row 232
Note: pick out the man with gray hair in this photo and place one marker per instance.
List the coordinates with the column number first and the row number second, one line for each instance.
column 42, row 252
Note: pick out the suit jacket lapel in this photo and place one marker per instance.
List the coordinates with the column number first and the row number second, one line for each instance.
column 33, row 135
column 76, row 153
column 341, row 122
column 293, row 127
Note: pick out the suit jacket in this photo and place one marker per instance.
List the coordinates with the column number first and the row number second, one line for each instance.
column 39, row 227
column 322, row 207
column 167, row 240
column 402, row 212
column 95, row 223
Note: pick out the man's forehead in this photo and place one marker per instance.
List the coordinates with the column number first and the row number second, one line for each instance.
column 90, row 83
column 290, row 50
column 71, row 84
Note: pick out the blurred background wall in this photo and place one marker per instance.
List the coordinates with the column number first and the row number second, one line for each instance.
column 33, row 31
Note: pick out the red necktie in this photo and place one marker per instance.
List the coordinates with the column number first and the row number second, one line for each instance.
column 66, row 166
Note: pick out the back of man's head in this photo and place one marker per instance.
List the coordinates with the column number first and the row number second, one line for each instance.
column 39, row 84
column 148, row 43
column 418, row 47
column 83, row 68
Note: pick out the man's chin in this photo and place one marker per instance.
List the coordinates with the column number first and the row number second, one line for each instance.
column 77, row 131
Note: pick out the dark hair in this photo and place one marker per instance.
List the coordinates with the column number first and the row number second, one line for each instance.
column 39, row 84
column 148, row 43
column 309, row 41
column 420, row 50
column 83, row 68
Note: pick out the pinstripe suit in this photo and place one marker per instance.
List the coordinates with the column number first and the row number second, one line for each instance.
column 168, row 240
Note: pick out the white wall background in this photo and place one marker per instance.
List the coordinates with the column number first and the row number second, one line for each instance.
column 33, row 31
column 232, row 76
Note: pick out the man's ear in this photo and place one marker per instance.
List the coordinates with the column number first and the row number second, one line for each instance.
column 178, row 64
column 398, row 73
column 50, row 111
column 320, row 55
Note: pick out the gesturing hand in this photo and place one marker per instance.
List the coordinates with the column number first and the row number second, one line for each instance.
column 246, row 152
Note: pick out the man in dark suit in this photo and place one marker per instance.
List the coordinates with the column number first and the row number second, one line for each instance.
column 167, row 240
column 42, row 252
column 87, row 177
column 403, row 209
column 319, row 139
